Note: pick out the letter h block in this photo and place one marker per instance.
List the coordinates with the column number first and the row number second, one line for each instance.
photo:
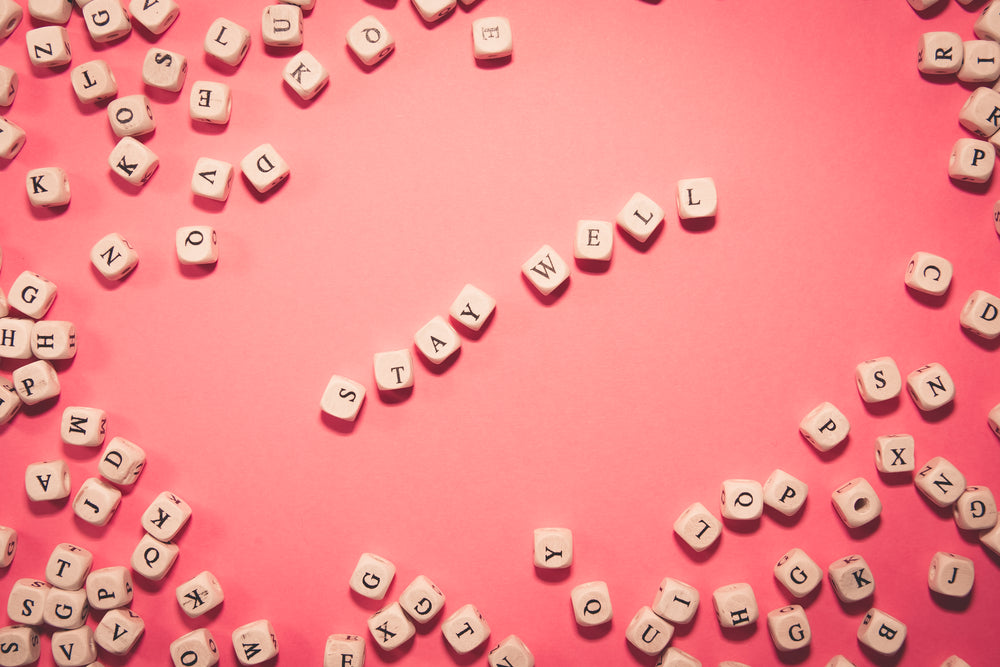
column 735, row 605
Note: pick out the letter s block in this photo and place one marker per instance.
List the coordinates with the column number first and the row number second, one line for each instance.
column 881, row 632
column 878, row 379
column 26, row 602
column 19, row 645
column 343, row 398
column 372, row 576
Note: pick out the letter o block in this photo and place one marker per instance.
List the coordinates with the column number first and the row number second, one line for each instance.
column 798, row 573
column 742, row 499
column 976, row 509
column 857, row 503
column 878, row 380
column 928, row 273
column 198, row 244
column 881, row 632
column 698, row 527
column 195, row 649
column 825, row 427
column 422, row 600
column 131, row 116
column 511, row 651
column 553, row 548
column 735, row 605
column 950, row 574
column 344, row 651
column 372, row 576
column 789, row 628
column 465, row 630
column 851, row 578
column 255, row 642
column 10, row 17
column 676, row 601
column 264, row 168
column 785, row 493
column 981, row 315
column 390, row 627
column 648, row 632
column 930, row 387
column 940, row 481
column 591, row 603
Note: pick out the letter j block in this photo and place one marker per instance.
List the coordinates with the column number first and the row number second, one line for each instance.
column 824, row 427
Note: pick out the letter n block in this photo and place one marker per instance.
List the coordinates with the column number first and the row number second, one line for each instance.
column 940, row 481
column 511, row 652
column 930, row 387
column 981, row 315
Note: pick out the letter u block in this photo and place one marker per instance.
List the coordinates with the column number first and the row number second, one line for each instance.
column 976, row 509
column 281, row 25
column 940, row 481
column 465, row 630
column 930, row 387
column 698, row 527
column 255, row 642
column 735, row 605
column 881, row 632
column 648, row 632
column 789, row 628
column 981, row 314
column 422, row 600
column 372, row 576
column 511, row 652
column 825, row 427
column 591, row 603
column 798, row 573
column 344, row 650
column 195, row 649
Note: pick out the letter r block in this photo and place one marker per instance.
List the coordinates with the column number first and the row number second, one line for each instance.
column 940, row 52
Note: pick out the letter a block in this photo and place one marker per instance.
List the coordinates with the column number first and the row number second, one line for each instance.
column 264, row 168
column 881, row 632
column 648, row 632
column 930, row 387
column 591, row 603
column 789, row 628
column 546, row 270
column 698, row 527
column 950, row 574
column 940, row 481
column 735, row 605
column 422, row 600
column 437, row 340
column 980, row 314
column 372, row 576
column 824, row 427
column 390, row 627
column 344, row 651
column 465, row 630
column 553, row 548
column 47, row 480
column 370, row 41
column 255, row 642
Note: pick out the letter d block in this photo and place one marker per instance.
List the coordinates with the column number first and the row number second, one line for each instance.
column 372, row 576
column 264, row 168
column 940, row 481
column 511, row 652
column 591, row 603
column 343, row 398
column 465, row 630
column 132, row 161
column 789, row 628
column 930, row 387
column 422, row 600
column 881, row 632
column 824, row 427
column 195, row 649
column 648, row 632
column 390, row 627
column 122, row 461
column 980, row 315
column 255, row 642
column 735, row 605
column 19, row 645
column 698, row 527
column 344, row 651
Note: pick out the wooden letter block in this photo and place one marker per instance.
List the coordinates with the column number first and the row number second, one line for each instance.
column 789, row 628
column 991, row 539
column 676, row 601
column 465, row 630
column 47, row 187
column 434, row 10
column 255, row 642
column 940, row 52
column 197, row 245
column 972, row 160
column 11, row 139
column 65, row 610
column 106, row 20
column 195, row 649
column 980, row 114
column 53, row 340
column 19, row 645
column 857, row 503
column 980, row 61
column 895, row 453
column 950, row 574
column 511, row 652
column 987, row 26
column 390, row 627
column 881, row 632
column 36, row 382
column 878, row 379
column 698, row 527
column 640, row 217
column 422, row 600
column 31, row 294
column 211, row 102
column 109, row 588
column 928, row 273
column 940, row 481
column 372, row 576
column 131, row 116
column 839, row 660
column 472, row 307
column 74, row 648
column 553, row 548
column 114, row 256
column 165, row 516
column 674, row 657
column 96, row 501
column 26, row 602
column 742, row 499
column 154, row 15
column 343, row 398
column 10, row 402
column 10, row 17
column 15, row 337
column 200, row 595
column 8, row 545
column 47, row 480
column 48, row 46
column 132, row 161
column 546, row 270
column 594, row 241
column 976, row 509
column 492, row 38
column 930, row 387
column 798, row 573
column 437, row 340
column 851, row 578
column 305, row 75
column 281, row 25
column 785, row 493
column 212, row 179
column 344, row 651
column 735, row 605
column 122, row 461
column 993, row 420
column 93, row 82
column 980, row 313
column 393, row 370
column 9, row 80
column 119, row 630
column 163, row 69
column 370, row 41
column 152, row 558
column 264, row 168
column 696, row 198
column 50, row 11
column 648, row 632
column 954, row 661
column 591, row 603
column 825, row 427
column 227, row 41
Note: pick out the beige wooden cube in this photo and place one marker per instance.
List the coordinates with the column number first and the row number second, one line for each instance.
column 676, row 601
column 48, row 46
column 857, row 503
column 119, row 630
column 20, row 645
column 987, row 26
column 31, row 294
column 10, row 17
column 851, row 578
column 122, row 461
column 825, row 427
column 12, row 137
column 553, row 548
column 940, row 52
column 980, row 313
column 798, row 573
column 391, row 627
column 114, row 257
column 131, row 116
column 422, row 600
column 742, row 499
column 594, row 241
column 53, row 340
column 839, row 660
column 472, row 307
column 370, row 41
column 437, row 341
column 465, row 630
column 980, row 114
column 648, row 632
column 698, row 527
column 26, row 601
column 227, row 41
column 546, row 270
column 106, row 20
column 255, row 642
column 264, row 168
column 211, row 102
column 47, row 480
column 675, row 657
column 640, row 217
column 65, row 610
column 492, row 38
column 434, row 10
column 156, row 16
column 153, row 559
column 950, row 574
column 954, row 661
column 10, row 402
column 212, row 178
column 930, row 387
column 940, row 481
column 50, row 11
column 972, row 160
column 36, row 382
column 993, row 419
column 281, row 25
column 980, row 61
column 197, row 244
column 305, row 75
column 343, row 650
column 511, row 652
column 15, row 337
column 696, row 198
column 895, row 453
column 591, row 603
column 735, row 605
column 343, row 398
column 785, row 492
column 132, row 161
column 195, row 649
column 96, row 501
column 8, row 545
column 164, row 69
column 47, row 187
column 975, row 509
column 928, row 273
column 881, row 632
column 878, row 379
column 166, row 516
column 372, row 576
column 109, row 588
column 789, row 628
column 94, row 82
column 393, row 370
column 991, row 539
column 75, row 647
column 200, row 595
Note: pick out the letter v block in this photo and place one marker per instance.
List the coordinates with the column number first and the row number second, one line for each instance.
column 119, row 630
column 212, row 179
column 546, row 270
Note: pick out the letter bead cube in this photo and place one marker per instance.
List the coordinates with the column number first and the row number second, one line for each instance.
column 12, row 138
column 465, row 630
column 211, row 102
column 954, row 661
column 591, row 603
column 109, row 588
column 857, row 503
column 344, row 651
column 976, row 509
column 93, row 82
column 437, row 340
column 82, row 426
column 53, row 340
column 825, row 427
column 48, row 46
column 881, row 632
column 472, row 307
column 698, row 527
column 212, row 179
column 163, row 69
column 197, row 245
column 991, row 539
column 594, row 241
column 96, row 501
column 342, row 398
column 65, row 610
column 648, row 632
column 36, row 382
column 305, row 75
column 735, row 605
column 928, row 273
column 114, row 256
column 640, row 217
column 8, row 86
column 895, row 453
column 281, row 25
column 390, row 627
column 264, row 168
column 742, row 499
column 31, row 294
column 132, row 161
column 119, row 630
column 165, row 516
column 878, row 379
column 155, row 16
column 492, row 38
column 195, row 649
column 972, row 160
column 950, row 574
column 798, row 573
column 546, row 270
column 106, row 20
column 785, row 493
column 434, row 10
column 851, row 578
column 422, row 600
column 789, row 628
column 152, row 558
column 19, row 645
column 47, row 480
column 980, row 62
column 121, row 461
column 987, row 26
column 200, row 595
column 26, row 602
column 839, row 660
column 393, row 370
column 227, row 41
column 369, row 40
column 47, row 187
column 940, row 52
column 8, row 545
column 940, row 481
column 980, row 314
column 930, row 387
column 10, row 17
column 10, row 402
column 510, row 652
column 372, row 576
column 15, row 337
column 980, row 114
column 696, row 198
column 553, row 548
column 50, row 11
column 676, row 601
column 255, row 642
column 674, row 657
column 71, row 648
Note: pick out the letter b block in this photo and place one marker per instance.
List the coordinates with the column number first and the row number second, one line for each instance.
column 881, row 632
column 372, row 576
column 591, row 603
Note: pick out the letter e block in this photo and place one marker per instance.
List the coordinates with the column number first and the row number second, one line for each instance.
column 372, row 576
column 591, row 603
column 881, row 632
column 211, row 102
column 344, row 651
column 255, row 642
column 553, row 548
column 594, row 241
column 825, row 427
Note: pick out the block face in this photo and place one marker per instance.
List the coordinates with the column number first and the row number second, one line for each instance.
column 26, row 602
column 21, row 645
column 742, row 499
column 591, row 603
column 8, row 545
column 212, row 179
column 48, row 46
column 798, row 573
column 895, row 453
column 195, row 649
column 393, row 370
column 980, row 61
column 200, row 595
column 114, row 256
column 109, row 588
column 825, row 427
column 10, row 402
column 344, row 650
column 648, row 632
column 972, row 160
column 36, row 382
column 640, row 217
column 857, row 503
column 434, row 10
column 546, row 270
column 472, row 307
column 422, row 600
column 15, row 337
column 940, row 52
column 156, row 16
column 165, row 516
column 976, row 509
column 370, row 41
column 991, row 539
column 980, row 114
column 735, row 605
column 881, row 632
column 50, row 11
column 96, row 501
column 594, row 240
column 696, row 198
column 47, row 480
column 164, row 69
column 979, row 315
column 674, row 657
column 928, row 273
column 553, row 548
column 65, row 610
column 74, row 648
column 390, row 627
column 106, row 20
column 31, row 294
column 12, row 138
column 698, row 527
column 950, row 574
column 281, row 25
column 211, row 102
column 785, row 493
column 343, row 398
column 878, row 379
column 53, row 340
column 122, row 461
column 437, row 340
column 851, row 578
column 227, row 41
column 789, row 628
column 940, row 481
column 198, row 244
column 676, row 601
column 132, row 161
column 930, row 387
column 10, row 17
column 153, row 559
column 492, row 38
column 306, row 75
column 47, row 187
column 511, row 652
column 264, row 168
column 372, row 576
column 119, row 630
column 255, row 642
column 465, row 630
column 987, row 26
column 9, row 81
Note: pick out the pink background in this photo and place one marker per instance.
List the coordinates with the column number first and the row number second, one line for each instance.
column 608, row 409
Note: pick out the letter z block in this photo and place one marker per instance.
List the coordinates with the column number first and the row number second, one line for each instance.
column 940, row 481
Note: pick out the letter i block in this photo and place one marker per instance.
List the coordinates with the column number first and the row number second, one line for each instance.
column 591, row 603
column 698, row 527
column 511, row 652
column 343, row 398
column 370, row 41
column 48, row 187
column 972, row 160
column 676, row 601
column 465, row 630
column 940, row 53
column 857, row 503
column 114, row 256
column 152, row 558
column 437, row 340
column 735, row 605
column 165, row 70
column 212, row 179
column 305, row 75
column 344, row 651
column 798, row 573
column 19, row 645
column 200, row 595
column 109, row 588
column 264, row 168
column 197, row 245
column 93, row 82
column 106, row 20
column 878, row 379
column 472, row 307
column 640, row 217
column 11, row 139
column 281, row 25
column 553, row 548
column 851, row 578
column 491, row 38
column 824, row 427
column 785, row 493
column 980, row 61
column 789, row 628
column 47, row 480
column 68, row 566
column 132, row 161
column 8, row 545
column 10, row 17
column 648, row 632
column 980, row 314
column 696, row 198
column 742, row 499
column 122, row 461
column 31, row 294
column 195, row 649
column 940, row 481
column 48, row 46
column 390, row 627
column 96, row 501
column 227, row 41
column 546, row 270
column 165, row 516
column 434, row 10
column 372, row 576
column 255, row 642
column 930, row 387
column 895, row 453
column 119, row 630
column 36, row 382
column 976, row 509
column 156, row 16
column 10, row 402
column 950, row 574
column 26, row 602
column 881, row 632
column 422, row 600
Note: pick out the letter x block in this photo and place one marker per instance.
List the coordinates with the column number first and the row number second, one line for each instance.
column 255, row 642
column 200, row 595
column 825, row 427
column 390, row 627
column 895, row 453
column 344, row 651
column 422, row 600
column 195, row 649
column 264, row 168
column 881, row 632
column 372, row 576
column 511, row 652
column 211, row 102
column 465, row 630
column 980, row 314
column 591, row 603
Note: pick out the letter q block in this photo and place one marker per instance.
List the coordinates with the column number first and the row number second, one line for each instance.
column 152, row 558
column 370, row 41
column 825, row 427
column 197, row 244
column 928, row 273
column 372, row 576
column 742, row 499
